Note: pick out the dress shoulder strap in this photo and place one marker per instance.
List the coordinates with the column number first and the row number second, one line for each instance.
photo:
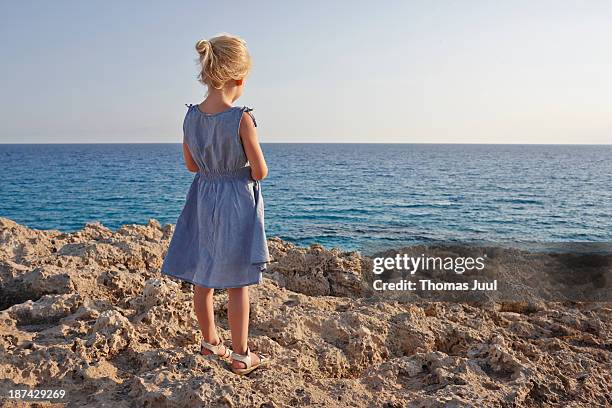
column 249, row 110
column 190, row 107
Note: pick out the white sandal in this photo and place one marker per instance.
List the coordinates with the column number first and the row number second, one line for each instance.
column 246, row 359
column 215, row 349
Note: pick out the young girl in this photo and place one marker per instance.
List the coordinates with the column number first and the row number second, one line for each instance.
column 219, row 241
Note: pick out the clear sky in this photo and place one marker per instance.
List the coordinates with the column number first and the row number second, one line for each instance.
column 330, row 71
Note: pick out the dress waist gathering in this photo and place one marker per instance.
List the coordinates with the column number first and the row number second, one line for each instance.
column 226, row 174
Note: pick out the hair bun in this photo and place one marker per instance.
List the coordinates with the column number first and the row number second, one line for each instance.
column 203, row 46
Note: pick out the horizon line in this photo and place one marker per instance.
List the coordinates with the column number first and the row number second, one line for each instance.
column 364, row 143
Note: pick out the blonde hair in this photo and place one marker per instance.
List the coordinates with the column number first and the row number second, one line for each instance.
column 222, row 58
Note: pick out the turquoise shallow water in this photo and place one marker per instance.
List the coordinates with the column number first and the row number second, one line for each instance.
column 353, row 196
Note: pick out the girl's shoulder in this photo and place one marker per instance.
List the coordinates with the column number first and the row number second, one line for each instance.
column 249, row 111
column 193, row 109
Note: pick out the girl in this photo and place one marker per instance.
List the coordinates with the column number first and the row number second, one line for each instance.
column 219, row 241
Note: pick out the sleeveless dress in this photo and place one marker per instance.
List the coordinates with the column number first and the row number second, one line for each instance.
column 219, row 240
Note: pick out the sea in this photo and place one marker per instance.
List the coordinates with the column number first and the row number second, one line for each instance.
column 366, row 197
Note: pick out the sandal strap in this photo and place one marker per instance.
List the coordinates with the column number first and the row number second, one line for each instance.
column 245, row 358
column 215, row 348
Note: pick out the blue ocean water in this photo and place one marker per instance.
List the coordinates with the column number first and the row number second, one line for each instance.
column 353, row 196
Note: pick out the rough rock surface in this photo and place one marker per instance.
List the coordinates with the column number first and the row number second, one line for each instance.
column 89, row 312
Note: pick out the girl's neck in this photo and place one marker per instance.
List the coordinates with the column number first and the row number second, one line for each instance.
column 218, row 100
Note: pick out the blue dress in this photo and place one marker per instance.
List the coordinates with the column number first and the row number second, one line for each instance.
column 219, row 240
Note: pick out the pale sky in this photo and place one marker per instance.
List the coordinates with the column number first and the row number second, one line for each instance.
column 330, row 71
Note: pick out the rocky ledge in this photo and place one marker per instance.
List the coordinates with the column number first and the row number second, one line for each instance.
column 89, row 312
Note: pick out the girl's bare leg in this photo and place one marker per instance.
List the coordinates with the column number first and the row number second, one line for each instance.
column 238, row 316
column 205, row 312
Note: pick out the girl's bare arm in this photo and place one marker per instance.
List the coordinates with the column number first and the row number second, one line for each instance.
column 189, row 162
column 248, row 134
